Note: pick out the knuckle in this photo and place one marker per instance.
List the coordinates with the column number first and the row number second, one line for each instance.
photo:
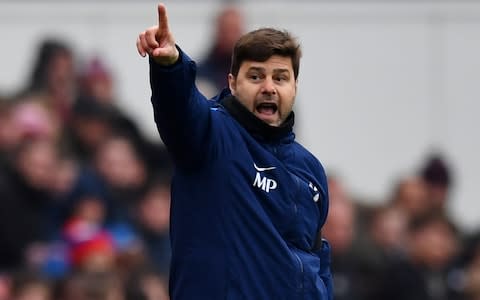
column 150, row 34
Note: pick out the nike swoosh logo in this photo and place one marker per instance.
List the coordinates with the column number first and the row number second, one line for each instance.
column 263, row 169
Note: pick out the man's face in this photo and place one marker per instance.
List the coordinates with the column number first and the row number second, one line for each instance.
column 267, row 89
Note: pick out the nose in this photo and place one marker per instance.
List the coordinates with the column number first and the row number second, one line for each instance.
column 269, row 87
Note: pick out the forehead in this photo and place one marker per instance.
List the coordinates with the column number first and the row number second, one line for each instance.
column 274, row 63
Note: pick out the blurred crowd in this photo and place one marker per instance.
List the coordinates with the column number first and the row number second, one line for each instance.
column 407, row 247
column 85, row 198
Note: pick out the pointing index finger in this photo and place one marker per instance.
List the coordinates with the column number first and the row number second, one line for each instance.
column 162, row 18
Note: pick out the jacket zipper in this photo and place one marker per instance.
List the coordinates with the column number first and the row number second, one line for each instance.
column 295, row 208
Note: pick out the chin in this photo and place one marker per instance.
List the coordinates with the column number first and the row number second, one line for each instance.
column 269, row 121
column 275, row 123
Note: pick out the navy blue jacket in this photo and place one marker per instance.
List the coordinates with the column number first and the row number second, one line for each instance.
column 247, row 200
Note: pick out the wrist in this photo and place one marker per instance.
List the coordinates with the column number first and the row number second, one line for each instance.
column 167, row 61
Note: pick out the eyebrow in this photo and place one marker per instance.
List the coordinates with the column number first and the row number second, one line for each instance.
column 260, row 69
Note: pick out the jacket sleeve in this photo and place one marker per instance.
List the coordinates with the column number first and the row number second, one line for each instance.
column 325, row 271
column 322, row 246
column 181, row 112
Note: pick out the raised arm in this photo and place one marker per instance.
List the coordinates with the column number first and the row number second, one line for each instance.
column 182, row 113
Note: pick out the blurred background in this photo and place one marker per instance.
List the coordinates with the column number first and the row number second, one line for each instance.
column 388, row 101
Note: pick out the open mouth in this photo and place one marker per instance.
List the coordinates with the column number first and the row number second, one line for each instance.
column 267, row 108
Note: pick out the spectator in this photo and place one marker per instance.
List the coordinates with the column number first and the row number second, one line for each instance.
column 431, row 248
column 97, row 93
column 91, row 286
column 213, row 69
column 53, row 76
column 467, row 275
column 28, row 286
column 339, row 230
column 96, row 82
column 437, row 175
column 410, row 196
column 5, row 286
column 26, row 195
column 90, row 124
column 91, row 248
column 124, row 172
column 9, row 135
column 146, row 285
column 25, row 118
column 96, row 88
column 153, row 220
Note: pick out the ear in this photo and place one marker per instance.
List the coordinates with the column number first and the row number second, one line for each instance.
column 232, row 83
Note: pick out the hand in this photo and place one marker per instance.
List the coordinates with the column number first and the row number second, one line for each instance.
column 158, row 41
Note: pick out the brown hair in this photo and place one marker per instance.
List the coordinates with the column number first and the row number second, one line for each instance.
column 261, row 44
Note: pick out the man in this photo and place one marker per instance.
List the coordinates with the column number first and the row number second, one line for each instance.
column 248, row 201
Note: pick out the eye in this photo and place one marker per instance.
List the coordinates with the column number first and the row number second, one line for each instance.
column 281, row 78
column 254, row 77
